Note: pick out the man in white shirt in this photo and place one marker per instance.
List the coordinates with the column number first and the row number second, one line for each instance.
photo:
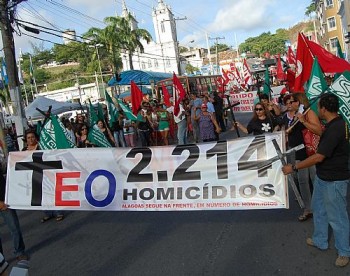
column 181, row 123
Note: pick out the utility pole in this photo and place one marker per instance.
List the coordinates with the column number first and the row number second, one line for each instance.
column 217, row 54
column 10, row 59
column 209, row 54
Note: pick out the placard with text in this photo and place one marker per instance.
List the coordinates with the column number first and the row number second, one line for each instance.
column 227, row 175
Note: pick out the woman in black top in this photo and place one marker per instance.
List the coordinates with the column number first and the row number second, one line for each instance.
column 32, row 145
column 261, row 122
column 295, row 104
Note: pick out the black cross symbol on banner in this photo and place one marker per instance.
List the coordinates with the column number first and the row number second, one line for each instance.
column 38, row 166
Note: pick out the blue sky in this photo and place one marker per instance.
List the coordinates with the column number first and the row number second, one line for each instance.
column 219, row 18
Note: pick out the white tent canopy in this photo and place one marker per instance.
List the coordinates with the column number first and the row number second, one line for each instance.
column 44, row 103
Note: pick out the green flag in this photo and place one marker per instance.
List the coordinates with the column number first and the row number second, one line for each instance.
column 316, row 85
column 97, row 138
column 54, row 135
column 112, row 110
column 267, row 82
column 127, row 111
column 341, row 88
column 100, row 114
column 339, row 51
column 93, row 116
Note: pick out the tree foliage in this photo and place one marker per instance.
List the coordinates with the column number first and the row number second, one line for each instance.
column 190, row 69
column 221, row 48
column 266, row 42
column 311, row 8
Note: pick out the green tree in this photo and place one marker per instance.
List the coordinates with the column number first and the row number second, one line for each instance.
column 266, row 42
column 128, row 38
column 190, row 69
column 221, row 48
column 311, row 8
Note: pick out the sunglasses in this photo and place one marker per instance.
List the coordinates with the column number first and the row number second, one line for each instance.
column 84, row 128
column 259, row 109
column 290, row 102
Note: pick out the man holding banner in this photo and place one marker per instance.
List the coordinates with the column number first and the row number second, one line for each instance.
column 331, row 181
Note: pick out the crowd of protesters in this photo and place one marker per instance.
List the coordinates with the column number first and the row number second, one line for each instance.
column 156, row 124
column 201, row 118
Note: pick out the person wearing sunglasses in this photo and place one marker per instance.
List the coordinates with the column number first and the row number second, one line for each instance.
column 261, row 122
column 295, row 137
column 82, row 139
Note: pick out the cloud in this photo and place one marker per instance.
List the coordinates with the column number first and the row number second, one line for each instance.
column 243, row 15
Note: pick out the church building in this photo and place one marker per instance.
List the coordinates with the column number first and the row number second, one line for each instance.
column 161, row 55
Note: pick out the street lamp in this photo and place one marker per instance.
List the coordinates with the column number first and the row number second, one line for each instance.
column 96, row 46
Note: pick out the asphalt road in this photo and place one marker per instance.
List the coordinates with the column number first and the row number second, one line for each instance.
column 261, row 242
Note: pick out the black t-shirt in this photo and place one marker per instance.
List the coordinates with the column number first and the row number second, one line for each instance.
column 295, row 137
column 218, row 105
column 258, row 126
column 334, row 145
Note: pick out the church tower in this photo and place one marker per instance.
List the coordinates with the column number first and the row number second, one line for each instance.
column 164, row 23
column 125, row 13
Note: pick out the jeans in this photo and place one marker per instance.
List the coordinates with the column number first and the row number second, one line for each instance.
column 11, row 220
column 181, row 132
column 304, row 177
column 119, row 138
column 145, row 137
column 329, row 207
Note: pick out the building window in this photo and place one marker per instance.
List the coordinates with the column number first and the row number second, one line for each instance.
column 156, row 63
column 331, row 23
column 149, row 63
column 162, row 28
column 329, row 3
column 168, row 62
column 333, row 42
column 143, row 65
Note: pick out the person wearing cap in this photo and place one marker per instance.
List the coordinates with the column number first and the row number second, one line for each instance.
column 207, row 124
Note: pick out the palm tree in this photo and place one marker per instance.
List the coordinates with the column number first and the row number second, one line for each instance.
column 311, row 8
column 109, row 39
column 130, row 39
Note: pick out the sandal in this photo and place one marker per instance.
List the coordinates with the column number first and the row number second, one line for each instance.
column 305, row 217
column 59, row 217
column 45, row 219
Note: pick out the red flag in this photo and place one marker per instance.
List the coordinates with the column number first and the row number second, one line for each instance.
column 179, row 92
column 304, row 64
column 291, row 57
column 220, row 83
column 280, row 73
column 290, row 79
column 166, row 96
column 329, row 63
column 247, row 74
column 225, row 78
column 136, row 97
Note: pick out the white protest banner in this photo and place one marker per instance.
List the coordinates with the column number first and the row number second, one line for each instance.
column 245, row 99
column 226, row 175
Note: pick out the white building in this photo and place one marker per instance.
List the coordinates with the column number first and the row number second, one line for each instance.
column 81, row 93
column 69, row 36
column 160, row 55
